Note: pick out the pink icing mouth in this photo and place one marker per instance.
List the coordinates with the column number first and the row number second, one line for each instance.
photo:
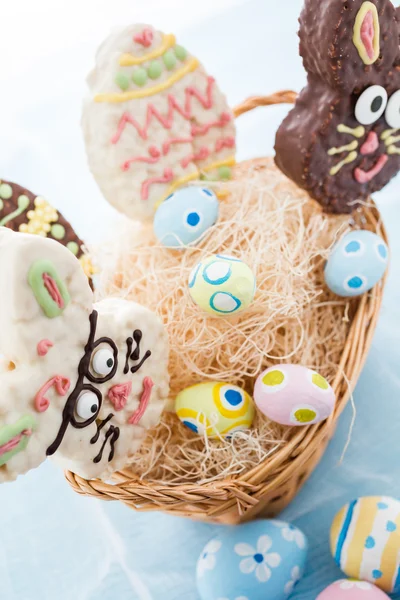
column 366, row 176
column 144, row 402
column 13, row 443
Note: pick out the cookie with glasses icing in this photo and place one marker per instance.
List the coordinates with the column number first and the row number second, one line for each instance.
column 81, row 381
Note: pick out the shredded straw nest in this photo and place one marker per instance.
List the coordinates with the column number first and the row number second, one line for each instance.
column 284, row 236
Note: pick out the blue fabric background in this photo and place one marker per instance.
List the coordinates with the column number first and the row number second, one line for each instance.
column 55, row 544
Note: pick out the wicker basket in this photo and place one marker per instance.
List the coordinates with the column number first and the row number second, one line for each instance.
column 268, row 488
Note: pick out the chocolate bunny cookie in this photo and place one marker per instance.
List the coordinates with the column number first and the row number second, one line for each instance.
column 341, row 140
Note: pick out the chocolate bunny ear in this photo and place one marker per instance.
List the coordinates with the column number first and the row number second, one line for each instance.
column 349, row 43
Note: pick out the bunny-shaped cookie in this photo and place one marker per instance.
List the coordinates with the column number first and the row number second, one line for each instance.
column 80, row 381
column 340, row 142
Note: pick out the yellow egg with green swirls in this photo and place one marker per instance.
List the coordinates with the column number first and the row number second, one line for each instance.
column 216, row 408
column 222, row 285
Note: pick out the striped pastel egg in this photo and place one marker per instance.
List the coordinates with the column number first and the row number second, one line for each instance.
column 185, row 216
column 215, row 408
column 351, row 589
column 222, row 285
column 294, row 395
column 365, row 541
column 356, row 263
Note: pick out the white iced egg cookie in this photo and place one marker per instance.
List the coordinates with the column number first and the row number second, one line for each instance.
column 215, row 408
column 356, row 263
column 222, row 285
column 84, row 381
column 153, row 121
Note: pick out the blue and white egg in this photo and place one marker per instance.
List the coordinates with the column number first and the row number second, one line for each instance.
column 356, row 263
column 254, row 561
column 185, row 216
column 222, row 285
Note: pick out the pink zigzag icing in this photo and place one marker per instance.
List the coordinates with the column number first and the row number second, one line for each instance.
column 173, row 105
column 166, row 178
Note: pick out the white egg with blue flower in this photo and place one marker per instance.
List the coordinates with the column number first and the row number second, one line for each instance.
column 356, row 263
column 254, row 561
column 222, row 285
column 185, row 216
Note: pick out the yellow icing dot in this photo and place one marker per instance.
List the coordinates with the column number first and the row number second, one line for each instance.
column 305, row 415
column 87, row 265
column 273, row 378
column 320, row 381
column 23, row 228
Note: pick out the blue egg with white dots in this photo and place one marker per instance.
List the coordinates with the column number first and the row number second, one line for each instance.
column 260, row 560
column 185, row 216
column 356, row 263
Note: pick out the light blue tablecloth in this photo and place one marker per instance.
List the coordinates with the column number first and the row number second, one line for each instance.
column 55, row 544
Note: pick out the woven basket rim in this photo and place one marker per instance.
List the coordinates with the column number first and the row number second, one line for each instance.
column 244, row 492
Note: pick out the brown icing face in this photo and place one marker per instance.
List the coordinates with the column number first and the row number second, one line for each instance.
column 341, row 142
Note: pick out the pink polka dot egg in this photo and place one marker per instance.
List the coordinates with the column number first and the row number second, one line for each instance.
column 294, row 395
column 351, row 589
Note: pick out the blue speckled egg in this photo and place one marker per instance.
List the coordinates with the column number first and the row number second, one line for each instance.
column 185, row 216
column 357, row 262
column 254, row 561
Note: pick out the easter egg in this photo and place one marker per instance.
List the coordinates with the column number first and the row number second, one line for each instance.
column 185, row 216
column 356, row 263
column 365, row 541
column 293, row 395
column 222, row 285
column 254, row 561
column 351, row 589
column 219, row 409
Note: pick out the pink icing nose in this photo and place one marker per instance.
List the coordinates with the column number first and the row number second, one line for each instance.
column 119, row 394
column 371, row 144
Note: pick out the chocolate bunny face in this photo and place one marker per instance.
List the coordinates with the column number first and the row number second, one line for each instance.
column 80, row 381
column 341, row 142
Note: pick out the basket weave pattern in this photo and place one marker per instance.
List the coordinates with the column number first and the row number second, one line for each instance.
column 269, row 487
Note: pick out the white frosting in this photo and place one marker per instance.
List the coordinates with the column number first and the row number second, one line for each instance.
column 100, row 123
column 24, row 324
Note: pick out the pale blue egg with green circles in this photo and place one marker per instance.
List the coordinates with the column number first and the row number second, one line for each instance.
column 259, row 560
column 356, row 263
column 185, row 216
column 222, row 285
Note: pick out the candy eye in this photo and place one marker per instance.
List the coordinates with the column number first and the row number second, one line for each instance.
column 87, row 406
column 103, row 361
column 392, row 114
column 371, row 105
